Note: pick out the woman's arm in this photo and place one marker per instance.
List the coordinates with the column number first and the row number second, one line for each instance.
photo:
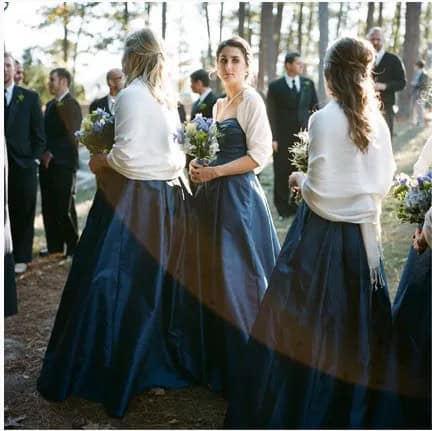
column 202, row 174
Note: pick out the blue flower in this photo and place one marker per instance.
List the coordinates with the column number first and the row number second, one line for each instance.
column 202, row 123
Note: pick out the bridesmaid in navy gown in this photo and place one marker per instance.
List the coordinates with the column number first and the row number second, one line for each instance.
column 237, row 245
column 315, row 348
column 110, row 339
column 411, row 359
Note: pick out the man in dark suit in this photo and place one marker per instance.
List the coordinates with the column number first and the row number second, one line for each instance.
column 115, row 80
column 25, row 140
column 200, row 84
column 389, row 74
column 57, row 172
column 290, row 101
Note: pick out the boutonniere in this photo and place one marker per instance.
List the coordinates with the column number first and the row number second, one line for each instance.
column 203, row 106
column 59, row 104
column 306, row 83
column 20, row 98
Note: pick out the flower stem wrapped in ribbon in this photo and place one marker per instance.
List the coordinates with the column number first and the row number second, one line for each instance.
column 200, row 139
column 414, row 196
column 97, row 132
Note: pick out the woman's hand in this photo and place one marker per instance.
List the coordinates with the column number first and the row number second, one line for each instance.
column 201, row 174
column 294, row 183
column 98, row 162
column 419, row 242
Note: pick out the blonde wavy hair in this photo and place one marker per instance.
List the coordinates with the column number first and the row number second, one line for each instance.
column 348, row 68
column 145, row 58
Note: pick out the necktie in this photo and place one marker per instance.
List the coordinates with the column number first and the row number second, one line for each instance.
column 294, row 87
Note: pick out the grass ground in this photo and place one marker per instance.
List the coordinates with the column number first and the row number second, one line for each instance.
column 39, row 290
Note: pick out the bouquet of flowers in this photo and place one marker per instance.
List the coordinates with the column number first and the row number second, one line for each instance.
column 414, row 197
column 300, row 151
column 97, row 132
column 200, row 139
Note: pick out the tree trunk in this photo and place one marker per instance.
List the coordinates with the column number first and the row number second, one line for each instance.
column 370, row 16
column 339, row 18
column 300, row 28
column 147, row 13
column 311, row 23
column 241, row 17
column 164, row 22
column 410, row 51
column 290, row 36
column 249, row 27
column 427, row 20
column 221, row 16
column 65, row 33
column 209, row 48
column 125, row 23
column 323, row 18
column 277, row 24
column 266, row 44
column 380, row 14
column 396, row 27
column 82, row 12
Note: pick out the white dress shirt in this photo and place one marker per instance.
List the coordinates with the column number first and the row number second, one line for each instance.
column 343, row 184
column 111, row 102
column 60, row 98
column 289, row 80
column 379, row 56
column 204, row 95
column 144, row 145
column 9, row 92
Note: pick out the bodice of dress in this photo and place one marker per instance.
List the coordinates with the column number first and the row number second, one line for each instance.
column 231, row 140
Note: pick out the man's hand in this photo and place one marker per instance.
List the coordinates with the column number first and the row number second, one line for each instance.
column 46, row 159
column 275, row 146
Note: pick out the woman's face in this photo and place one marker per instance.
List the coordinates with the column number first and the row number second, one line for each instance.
column 231, row 66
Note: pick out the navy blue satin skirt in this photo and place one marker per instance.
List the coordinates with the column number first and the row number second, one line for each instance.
column 233, row 248
column 411, row 354
column 317, row 344
column 111, row 338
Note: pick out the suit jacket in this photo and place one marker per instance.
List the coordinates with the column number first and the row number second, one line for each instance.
column 391, row 72
column 289, row 111
column 62, row 120
column 100, row 103
column 205, row 107
column 24, row 130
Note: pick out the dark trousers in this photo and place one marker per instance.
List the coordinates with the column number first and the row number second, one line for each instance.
column 58, row 207
column 10, row 294
column 282, row 168
column 389, row 117
column 22, row 191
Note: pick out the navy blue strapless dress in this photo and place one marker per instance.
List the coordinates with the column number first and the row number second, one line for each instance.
column 411, row 354
column 315, row 347
column 233, row 252
column 110, row 339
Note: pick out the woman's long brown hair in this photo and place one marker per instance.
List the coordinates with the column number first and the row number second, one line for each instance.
column 348, row 71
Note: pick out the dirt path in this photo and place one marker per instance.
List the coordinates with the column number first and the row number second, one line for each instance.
column 26, row 337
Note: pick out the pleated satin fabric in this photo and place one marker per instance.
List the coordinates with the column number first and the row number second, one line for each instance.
column 320, row 341
column 110, row 339
column 232, row 251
